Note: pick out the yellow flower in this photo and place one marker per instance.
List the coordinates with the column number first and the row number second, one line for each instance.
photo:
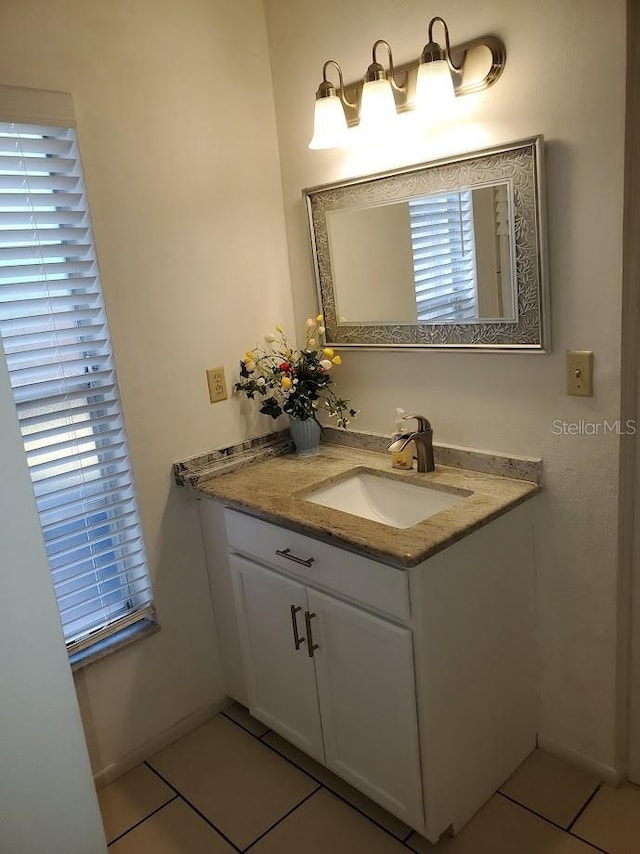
column 319, row 318
column 328, row 352
column 288, row 352
column 286, row 382
column 278, row 327
column 337, row 360
column 248, row 356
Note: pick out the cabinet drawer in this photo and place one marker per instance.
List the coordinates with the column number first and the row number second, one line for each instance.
column 357, row 578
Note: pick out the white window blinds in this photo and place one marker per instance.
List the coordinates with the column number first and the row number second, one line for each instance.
column 56, row 342
column 442, row 244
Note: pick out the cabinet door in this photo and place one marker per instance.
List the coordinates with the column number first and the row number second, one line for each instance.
column 281, row 680
column 364, row 668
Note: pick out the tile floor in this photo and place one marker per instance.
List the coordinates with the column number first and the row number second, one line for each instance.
column 232, row 785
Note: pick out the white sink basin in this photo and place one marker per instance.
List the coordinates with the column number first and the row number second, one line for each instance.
column 383, row 499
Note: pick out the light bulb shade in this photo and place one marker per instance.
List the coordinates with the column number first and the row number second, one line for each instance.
column 434, row 88
column 377, row 107
column 329, row 124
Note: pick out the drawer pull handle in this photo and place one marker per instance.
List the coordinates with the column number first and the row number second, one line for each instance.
column 297, row 640
column 287, row 553
column 310, row 645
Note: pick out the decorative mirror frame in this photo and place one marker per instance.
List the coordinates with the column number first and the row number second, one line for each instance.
column 520, row 164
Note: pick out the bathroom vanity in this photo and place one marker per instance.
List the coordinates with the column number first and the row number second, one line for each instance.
column 399, row 657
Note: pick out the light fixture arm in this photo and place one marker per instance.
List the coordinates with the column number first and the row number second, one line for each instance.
column 326, row 88
column 433, row 48
column 376, row 71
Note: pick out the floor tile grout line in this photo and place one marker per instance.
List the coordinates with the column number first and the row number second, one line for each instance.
column 242, row 726
column 585, row 805
column 532, row 811
column 320, row 783
column 277, row 753
column 142, row 820
column 194, row 808
column 364, row 815
column 285, row 816
column 551, row 822
column 589, row 843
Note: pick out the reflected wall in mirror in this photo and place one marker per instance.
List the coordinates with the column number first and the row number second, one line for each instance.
column 448, row 254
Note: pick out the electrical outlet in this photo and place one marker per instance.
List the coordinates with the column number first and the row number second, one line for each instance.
column 217, row 383
column 580, row 373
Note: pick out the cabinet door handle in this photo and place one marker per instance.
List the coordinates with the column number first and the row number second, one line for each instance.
column 297, row 640
column 310, row 645
column 287, row 553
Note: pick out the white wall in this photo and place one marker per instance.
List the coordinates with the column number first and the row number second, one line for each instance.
column 177, row 135
column 47, row 800
column 553, row 86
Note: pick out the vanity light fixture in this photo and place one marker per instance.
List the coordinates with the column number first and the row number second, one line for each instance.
column 427, row 84
column 329, row 121
column 377, row 104
column 434, row 84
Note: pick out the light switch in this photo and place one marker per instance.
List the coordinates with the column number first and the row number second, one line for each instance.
column 217, row 383
column 580, row 373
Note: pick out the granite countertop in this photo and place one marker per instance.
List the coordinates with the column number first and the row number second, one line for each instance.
column 275, row 489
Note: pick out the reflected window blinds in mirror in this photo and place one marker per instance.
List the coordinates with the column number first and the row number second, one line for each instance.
column 448, row 254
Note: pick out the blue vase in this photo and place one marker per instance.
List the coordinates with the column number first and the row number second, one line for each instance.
column 305, row 435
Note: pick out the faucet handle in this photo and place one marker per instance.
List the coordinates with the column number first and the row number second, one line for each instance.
column 423, row 423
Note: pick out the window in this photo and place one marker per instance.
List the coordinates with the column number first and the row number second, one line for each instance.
column 55, row 337
column 442, row 244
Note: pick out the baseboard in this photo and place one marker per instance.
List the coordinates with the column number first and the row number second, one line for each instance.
column 164, row 739
column 607, row 773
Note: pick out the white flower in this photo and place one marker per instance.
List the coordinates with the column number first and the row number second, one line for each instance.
column 321, row 330
column 312, row 342
column 249, row 367
column 326, row 364
column 295, row 382
column 310, row 323
column 261, row 381
column 269, row 337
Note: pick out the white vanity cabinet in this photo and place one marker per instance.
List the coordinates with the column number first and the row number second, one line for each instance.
column 364, row 671
column 420, row 691
column 281, row 679
column 334, row 680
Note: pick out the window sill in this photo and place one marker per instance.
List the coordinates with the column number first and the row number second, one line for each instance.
column 114, row 643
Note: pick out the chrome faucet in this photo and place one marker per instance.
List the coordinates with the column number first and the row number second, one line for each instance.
column 423, row 440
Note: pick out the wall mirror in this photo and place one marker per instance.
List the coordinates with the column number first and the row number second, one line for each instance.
column 449, row 254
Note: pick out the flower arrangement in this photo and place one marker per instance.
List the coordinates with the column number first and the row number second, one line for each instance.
column 297, row 383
